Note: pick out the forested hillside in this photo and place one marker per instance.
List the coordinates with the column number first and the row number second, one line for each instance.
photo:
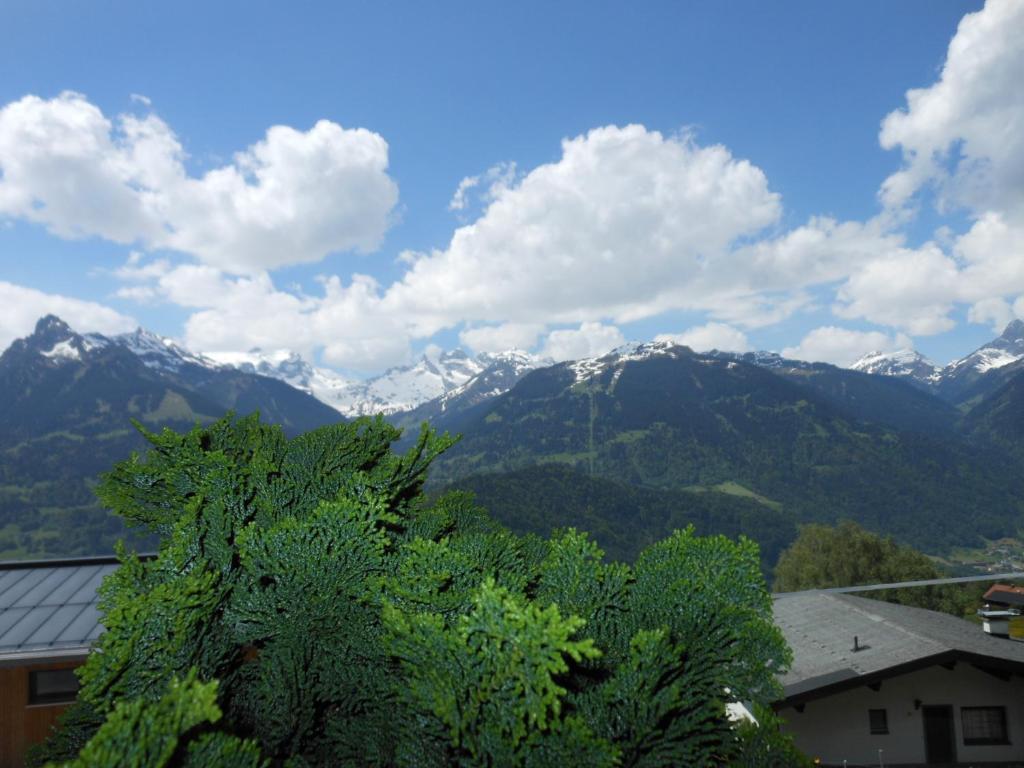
column 674, row 419
column 622, row 518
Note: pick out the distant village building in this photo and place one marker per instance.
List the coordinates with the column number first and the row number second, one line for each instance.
column 1005, row 595
column 1001, row 613
column 874, row 683
column 48, row 621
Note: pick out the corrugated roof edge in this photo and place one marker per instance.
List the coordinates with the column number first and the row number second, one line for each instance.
column 63, row 562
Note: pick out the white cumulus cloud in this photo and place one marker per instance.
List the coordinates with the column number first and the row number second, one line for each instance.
column 710, row 336
column 345, row 323
column 843, row 346
column 625, row 216
column 498, row 338
column 965, row 133
column 962, row 139
column 21, row 307
column 589, row 340
column 906, row 288
column 291, row 198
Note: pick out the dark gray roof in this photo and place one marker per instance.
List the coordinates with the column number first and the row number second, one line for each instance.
column 1005, row 597
column 820, row 628
column 49, row 609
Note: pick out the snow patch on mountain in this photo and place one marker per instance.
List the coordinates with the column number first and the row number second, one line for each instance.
column 326, row 386
column 994, row 358
column 54, row 340
column 588, row 368
column 406, row 387
column 397, row 389
column 161, row 353
column 903, row 363
column 63, row 350
column 500, row 373
column 1008, row 348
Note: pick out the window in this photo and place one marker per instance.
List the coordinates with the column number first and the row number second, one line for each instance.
column 984, row 725
column 52, row 686
column 878, row 721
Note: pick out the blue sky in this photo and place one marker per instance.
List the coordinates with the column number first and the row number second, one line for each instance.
column 742, row 209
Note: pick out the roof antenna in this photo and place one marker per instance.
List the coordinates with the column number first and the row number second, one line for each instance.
column 856, row 644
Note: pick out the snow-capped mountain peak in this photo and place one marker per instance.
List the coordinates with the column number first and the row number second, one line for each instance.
column 587, row 368
column 57, row 342
column 966, row 378
column 160, row 352
column 1002, row 351
column 405, row 387
column 501, row 371
column 291, row 368
column 400, row 388
column 516, row 359
column 903, row 363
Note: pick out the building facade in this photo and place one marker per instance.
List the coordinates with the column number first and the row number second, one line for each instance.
column 875, row 683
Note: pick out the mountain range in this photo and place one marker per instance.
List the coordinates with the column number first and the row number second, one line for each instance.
column 437, row 383
column 627, row 445
column 964, row 382
column 68, row 403
column 429, row 380
column 822, row 442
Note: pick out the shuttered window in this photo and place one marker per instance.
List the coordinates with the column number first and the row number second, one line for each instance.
column 984, row 725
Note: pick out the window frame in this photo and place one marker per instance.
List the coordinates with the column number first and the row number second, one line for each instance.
column 61, row 696
column 985, row 741
column 873, row 728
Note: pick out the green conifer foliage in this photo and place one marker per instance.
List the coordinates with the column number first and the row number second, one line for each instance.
column 140, row 733
column 308, row 607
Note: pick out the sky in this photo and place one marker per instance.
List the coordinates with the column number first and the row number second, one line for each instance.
column 364, row 181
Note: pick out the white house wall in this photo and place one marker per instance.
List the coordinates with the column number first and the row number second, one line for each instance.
column 835, row 728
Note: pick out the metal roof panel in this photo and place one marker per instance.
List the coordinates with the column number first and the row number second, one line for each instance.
column 42, row 593
column 91, row 580
column 16, row 636
column 77, row 575
column 7, row 578
column 98, row 630
column 54, row 625
column 19, row 587
column 81, row 628
column 49, row 607
column 9, row 617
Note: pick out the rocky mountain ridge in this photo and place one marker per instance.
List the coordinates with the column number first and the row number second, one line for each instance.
column 963, row 382
column 440, row 382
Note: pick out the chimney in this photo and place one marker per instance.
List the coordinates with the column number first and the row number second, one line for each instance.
column 996, row 621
